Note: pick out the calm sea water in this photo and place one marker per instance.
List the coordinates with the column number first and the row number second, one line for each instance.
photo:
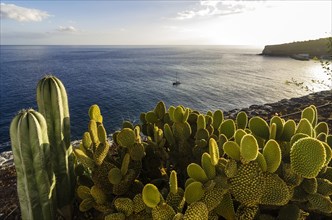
column 125, row 81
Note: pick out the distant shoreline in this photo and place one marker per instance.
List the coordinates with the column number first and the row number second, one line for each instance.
column 313, row 48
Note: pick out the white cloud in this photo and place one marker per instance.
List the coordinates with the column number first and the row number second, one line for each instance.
column 68, row 29
column 219, row 8
column 14, row 12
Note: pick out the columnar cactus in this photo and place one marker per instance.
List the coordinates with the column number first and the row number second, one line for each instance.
column 53, row 105
column 32, row 153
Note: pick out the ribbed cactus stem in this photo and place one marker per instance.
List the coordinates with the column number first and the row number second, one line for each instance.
column 35, row 179
column 53, row 105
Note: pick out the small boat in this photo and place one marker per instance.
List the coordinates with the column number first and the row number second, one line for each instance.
column 177, row 82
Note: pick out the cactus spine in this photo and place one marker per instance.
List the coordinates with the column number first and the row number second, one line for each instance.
column 35, row 179
column 53, row 105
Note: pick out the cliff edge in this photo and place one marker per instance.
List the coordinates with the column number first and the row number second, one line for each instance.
column 313, row 48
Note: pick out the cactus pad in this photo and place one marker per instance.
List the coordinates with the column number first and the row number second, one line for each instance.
column 151, row 117
column 241, row 120
column 322, row 127
column 101, row 152
column 211, row 198
column 173, row 182
column 232, row 149
column 276, row 191
column 239, row 135
column 160, row 110
column 102, row 136
column 95, row 114
column 324, row 187
column 178, row 114
column 98, row 195
column 248, row 148
column 163, row 211
column 259, row 127
column 246, row 186
column 194, row 192
column 272, row 155
column 309, row 113
column 93, row 130
column 137, row 151
column 86, row 204
column 196, row 172
column 196, row 210
column 214, row 151
column 84, row 159
column 151, row 195
column 124, row 205
column 231, row 168
column 304, row 127
column 244, row 212
column 279, row 125
column 181, row 131
column 289, row 130
column 309, row 185
column 307, row 157
column 169, row 134
column 83, row 192
column 226, row 207
column 115, row 176
column 86, row 140
column 261, row 161
column 201, row 124
column 320, row 203
column 139, row 204
column 207, row 166
column 126, row 137
column 227, row 128
column 218, row 117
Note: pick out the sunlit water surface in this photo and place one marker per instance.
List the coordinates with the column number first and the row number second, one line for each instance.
column 125, row 81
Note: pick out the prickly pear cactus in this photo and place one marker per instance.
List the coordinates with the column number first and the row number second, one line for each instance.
column 182, row 164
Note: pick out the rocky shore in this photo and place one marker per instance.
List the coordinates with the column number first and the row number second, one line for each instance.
column 291, row 108
column 286, row 108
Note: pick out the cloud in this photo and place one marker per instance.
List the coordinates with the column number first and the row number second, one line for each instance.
column 219, row 8
column 69, row 29
column 14, row 12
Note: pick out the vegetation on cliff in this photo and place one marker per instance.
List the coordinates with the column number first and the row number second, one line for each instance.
column 315, row 48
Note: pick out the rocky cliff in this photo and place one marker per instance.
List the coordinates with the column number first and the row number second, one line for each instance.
column 315, row 48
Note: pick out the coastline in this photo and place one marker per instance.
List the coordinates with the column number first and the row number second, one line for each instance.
column 291, row 108
column 311, row 48
column 285, row 108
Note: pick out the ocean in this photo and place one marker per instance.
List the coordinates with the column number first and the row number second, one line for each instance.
column 127, row 80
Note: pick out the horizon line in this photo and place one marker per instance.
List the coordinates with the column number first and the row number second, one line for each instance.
column 138, row 45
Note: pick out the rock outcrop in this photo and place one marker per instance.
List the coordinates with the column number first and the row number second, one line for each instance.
column 314, row 48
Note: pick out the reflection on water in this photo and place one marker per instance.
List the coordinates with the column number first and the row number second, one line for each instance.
column 125, row 81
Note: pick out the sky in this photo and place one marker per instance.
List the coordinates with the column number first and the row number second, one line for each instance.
column 171, row 22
